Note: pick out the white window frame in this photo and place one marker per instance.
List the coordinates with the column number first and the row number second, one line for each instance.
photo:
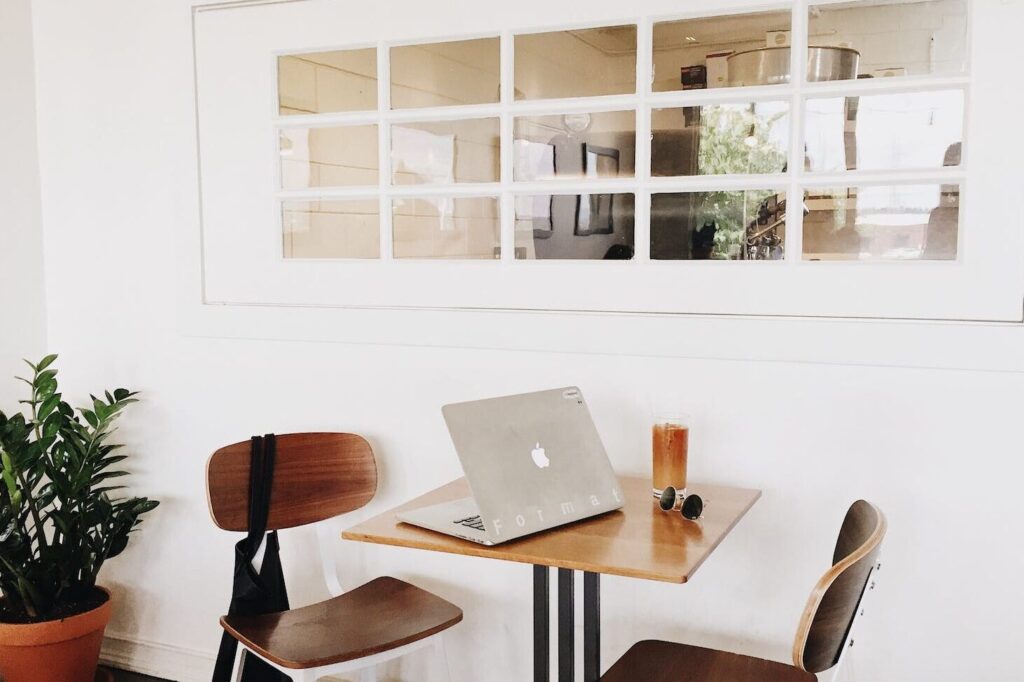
column 642, row 274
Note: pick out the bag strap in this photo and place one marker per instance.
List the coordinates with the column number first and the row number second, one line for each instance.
column 263, row 451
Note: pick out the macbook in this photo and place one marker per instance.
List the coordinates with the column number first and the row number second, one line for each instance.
column 533, row 461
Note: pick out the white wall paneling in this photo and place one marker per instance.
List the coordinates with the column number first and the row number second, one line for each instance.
column 22, row 299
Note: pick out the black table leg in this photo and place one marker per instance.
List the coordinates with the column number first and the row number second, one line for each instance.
column 591, row 627
column 541, row 624
column 566, row 626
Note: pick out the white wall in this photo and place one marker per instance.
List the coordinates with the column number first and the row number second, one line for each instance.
column 22, row 299
column 936, row 448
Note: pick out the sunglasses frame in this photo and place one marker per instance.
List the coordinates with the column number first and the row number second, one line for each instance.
column 672, row 500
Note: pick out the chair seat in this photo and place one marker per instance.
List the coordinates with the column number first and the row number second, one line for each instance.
column 655, row 661
column 381, row 615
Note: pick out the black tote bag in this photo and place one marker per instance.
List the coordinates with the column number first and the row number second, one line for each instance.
column 255, row 593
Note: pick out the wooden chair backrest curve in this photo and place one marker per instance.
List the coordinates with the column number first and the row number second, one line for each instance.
column 316, row 476
column 833, row 603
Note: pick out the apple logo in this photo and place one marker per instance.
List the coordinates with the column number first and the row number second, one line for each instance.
column 540, row 457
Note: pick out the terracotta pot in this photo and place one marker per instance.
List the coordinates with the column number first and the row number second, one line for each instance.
column 59, row 650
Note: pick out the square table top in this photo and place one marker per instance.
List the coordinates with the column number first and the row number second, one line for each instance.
column 637, row 541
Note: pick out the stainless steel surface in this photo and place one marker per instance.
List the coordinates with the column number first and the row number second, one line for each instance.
column 770, row 65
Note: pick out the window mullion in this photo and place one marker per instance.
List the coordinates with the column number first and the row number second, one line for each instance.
column 506, row 156
column 798, row 78
column 384, row 150
column 642, row 145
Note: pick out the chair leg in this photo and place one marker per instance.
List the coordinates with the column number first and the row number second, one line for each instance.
column 441, row 655
column 239, row 660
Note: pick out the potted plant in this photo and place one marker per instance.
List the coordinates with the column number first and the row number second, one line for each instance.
column 60, row 520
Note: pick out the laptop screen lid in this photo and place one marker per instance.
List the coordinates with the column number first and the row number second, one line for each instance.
column 533, row 461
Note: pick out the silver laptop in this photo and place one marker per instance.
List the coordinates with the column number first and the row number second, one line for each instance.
column 533, row 461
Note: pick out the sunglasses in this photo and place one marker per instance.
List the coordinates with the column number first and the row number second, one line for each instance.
column 691, row 507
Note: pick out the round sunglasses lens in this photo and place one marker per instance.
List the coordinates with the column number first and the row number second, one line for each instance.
column 693, row 507
column 668, row 499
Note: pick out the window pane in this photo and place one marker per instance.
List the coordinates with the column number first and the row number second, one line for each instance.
column 446, row 151
column 885, row 132
column 324, row 82
column 328, row 157
column 597, row 145
column 572, row 226
column 447, row 227
column 694, row 53
column 894, row 222
column 582, row 63
column 331, row 229
column 443, row 74
column 720, row 139
column 737, row 225
column 896, row 37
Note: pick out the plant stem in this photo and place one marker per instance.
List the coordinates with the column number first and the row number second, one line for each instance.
column 30, row 499
column 26, row 601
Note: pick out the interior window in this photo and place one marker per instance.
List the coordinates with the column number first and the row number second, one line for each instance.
column 578, row 63
column 327, row 82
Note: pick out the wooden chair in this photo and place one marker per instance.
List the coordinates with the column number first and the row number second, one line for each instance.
column 822, row 635
column 318, row 476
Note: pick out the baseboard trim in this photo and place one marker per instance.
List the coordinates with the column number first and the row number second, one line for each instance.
column 159, row 660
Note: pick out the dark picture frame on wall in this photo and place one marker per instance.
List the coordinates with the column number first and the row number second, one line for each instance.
column 595, row 212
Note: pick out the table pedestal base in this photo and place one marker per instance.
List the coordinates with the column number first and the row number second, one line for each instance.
column 566, row 625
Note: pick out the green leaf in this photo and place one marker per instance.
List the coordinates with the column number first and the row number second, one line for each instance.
column 107, row 489
column 45, row 362
column 62, row 524
column 45, row 375
column 12, row 485
column 107, row 474
column 48, row 406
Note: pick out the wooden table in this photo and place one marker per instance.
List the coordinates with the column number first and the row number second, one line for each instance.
column 638, row 541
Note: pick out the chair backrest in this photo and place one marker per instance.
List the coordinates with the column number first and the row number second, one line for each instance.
column 316, row 476
column 833, row 603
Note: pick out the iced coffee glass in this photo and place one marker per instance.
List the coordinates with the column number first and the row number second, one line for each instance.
column 670, row 446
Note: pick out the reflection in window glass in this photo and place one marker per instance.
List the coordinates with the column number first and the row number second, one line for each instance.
column 447, row 227
column 599, row 145
column 325, row 82
column 581, row 63
column 694, row 53
column 446, row 151
column 331, row 229
column 734, row 225
column 720, row 139
column 896, row 37
column 890, row 222
column 575, row 227
column 445, row 74
column 885, row 132
column 328, row 157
